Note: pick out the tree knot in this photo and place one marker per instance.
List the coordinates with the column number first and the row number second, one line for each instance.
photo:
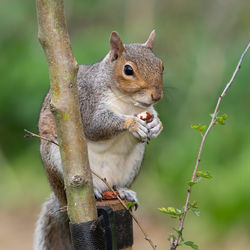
column 77, row 181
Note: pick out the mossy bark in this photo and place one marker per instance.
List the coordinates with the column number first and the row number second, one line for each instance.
column 53, row 36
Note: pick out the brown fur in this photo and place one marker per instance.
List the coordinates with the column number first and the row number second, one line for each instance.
column 48, row 130
column 131, row 124
column 46, row 123
column 147, row 78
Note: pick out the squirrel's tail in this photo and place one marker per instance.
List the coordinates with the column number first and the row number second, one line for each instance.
column 52, row 228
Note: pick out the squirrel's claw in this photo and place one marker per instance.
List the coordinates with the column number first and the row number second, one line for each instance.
column 98, row 194
column 141, row 136
column 135, row 206
column 127, row 194
column 140, row 130
column 155, row 127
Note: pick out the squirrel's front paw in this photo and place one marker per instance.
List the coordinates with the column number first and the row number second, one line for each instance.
column 155, row 127
column 138, row 128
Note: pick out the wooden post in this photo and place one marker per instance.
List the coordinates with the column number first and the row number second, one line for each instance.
column 127, row 228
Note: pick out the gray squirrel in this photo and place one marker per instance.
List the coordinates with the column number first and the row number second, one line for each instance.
column 113, row 93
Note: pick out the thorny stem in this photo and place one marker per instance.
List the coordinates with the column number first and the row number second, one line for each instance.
column 146, row 237
column 174, row 244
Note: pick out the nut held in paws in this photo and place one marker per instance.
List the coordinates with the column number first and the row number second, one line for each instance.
column 146, row 116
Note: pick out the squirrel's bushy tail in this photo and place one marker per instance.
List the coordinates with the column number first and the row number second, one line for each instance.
column 52, row 228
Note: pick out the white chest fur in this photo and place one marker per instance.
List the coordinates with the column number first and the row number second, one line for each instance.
column 117, row 159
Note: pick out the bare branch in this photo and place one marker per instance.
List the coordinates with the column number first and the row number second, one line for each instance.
column 174, row 244
column 30, row 134
column 236, row 71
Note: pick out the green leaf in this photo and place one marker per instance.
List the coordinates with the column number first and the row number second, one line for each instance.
column 172, row 211
column 169, row 210
column 130, row 204
column 206, row 175
column 221, row 119
column 193, row 204
column 191, row 183
column 196, row 211
column 163, row 210
column 199, row 127
column 191, row 244
column 194, row 207
column 202, row 128
column 224, row 117
column 180, row 211
column 173, row 237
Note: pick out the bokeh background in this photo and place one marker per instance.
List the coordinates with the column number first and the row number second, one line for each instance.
column 200, row 43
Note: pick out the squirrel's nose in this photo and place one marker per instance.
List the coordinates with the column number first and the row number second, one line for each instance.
column 156, row 97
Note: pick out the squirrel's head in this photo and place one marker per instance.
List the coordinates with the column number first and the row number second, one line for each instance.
column 136, row 70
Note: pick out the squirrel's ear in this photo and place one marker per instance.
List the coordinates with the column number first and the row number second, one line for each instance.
column 150, row 42
column 116, row 45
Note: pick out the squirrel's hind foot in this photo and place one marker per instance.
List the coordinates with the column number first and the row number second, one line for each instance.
column 98, row 194
column 129, row 195
column 124, row 193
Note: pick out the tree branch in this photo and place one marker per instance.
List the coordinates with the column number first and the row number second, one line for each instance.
column 30, row 134
column 53, row 36
column 174, row 244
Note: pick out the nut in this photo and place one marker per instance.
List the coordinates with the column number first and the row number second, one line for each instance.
column 108, row 195
column 146, row 116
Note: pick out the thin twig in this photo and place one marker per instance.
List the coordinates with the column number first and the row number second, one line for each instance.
column 175, row 243
column 30, row 134
column 146, row 237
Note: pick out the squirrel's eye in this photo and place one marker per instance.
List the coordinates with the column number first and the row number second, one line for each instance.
column 128, row 70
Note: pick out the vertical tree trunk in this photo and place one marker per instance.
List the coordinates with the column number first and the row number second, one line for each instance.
column 63, row 68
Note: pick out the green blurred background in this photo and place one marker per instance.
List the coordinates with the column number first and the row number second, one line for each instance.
column 200, row 43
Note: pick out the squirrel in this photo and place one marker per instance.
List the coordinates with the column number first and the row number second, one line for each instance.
column 112, row 94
